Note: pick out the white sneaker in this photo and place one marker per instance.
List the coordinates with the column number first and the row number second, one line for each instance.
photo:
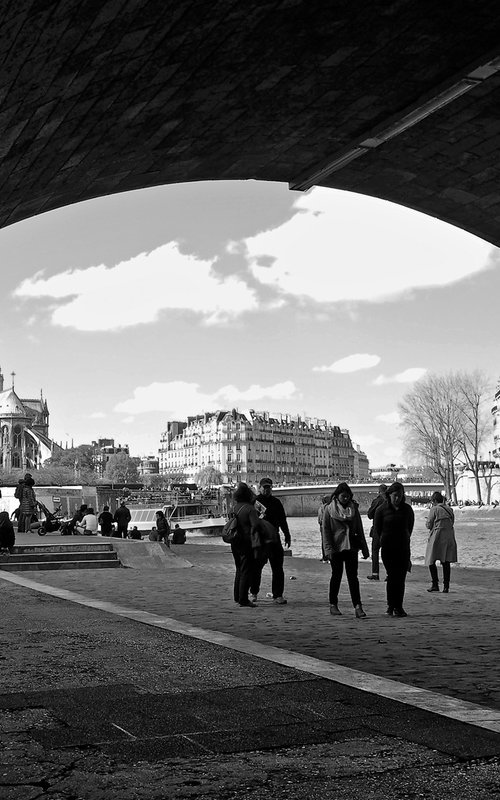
column 253, row 598
column 269, row 594
column 280, row 601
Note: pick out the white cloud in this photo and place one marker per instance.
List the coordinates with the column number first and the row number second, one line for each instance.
column 180, row 399
column 340, row 246
column 407, row 376
column 136, row 291
column 354, row 363
column 97, row 415
column 392, row 418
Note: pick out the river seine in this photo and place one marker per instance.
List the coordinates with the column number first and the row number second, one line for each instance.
column 477, row 531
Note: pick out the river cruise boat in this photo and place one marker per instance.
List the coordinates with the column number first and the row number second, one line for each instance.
column 195, row 512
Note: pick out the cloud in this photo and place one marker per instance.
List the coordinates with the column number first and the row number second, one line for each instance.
column 392, row 418
column 180, row 399
column 135, row 292
column 341, row 247
column 354, row 363
column 97, row 415
column 407, row 376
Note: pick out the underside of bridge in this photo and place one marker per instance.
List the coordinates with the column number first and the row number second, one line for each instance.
column 399, row 100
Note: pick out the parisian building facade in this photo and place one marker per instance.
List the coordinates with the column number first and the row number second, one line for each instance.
column 246, row 446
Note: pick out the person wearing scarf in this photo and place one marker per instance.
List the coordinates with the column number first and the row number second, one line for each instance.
column 393, row 523
column 343, row 537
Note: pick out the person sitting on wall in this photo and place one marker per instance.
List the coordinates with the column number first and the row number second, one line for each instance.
column 178, row 535
column 77, row 518
column 163, row 528
column 89, row 524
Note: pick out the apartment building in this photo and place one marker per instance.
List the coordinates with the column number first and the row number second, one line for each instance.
column 245, row 446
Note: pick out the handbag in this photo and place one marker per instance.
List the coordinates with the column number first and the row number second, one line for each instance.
column 230, row 529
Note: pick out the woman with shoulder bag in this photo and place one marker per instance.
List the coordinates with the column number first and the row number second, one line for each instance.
column 442, row 544
column 343, row 538
column 247, row 544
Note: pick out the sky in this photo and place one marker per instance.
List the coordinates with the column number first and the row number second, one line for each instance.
column 134, row 309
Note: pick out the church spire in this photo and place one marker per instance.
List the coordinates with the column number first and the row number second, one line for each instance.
column 13, row 376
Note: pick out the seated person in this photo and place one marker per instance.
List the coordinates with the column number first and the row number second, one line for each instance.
column 154, row 536
column 89, row 525
column 134, row 533
column 178, row 535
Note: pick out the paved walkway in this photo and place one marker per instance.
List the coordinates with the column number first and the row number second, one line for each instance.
column 89, row 708
column 448, row 643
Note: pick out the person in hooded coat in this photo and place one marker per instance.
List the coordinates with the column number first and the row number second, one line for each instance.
column 442, row 545
column 343, row 538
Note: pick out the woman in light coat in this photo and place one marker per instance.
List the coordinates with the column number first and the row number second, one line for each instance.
column 442, row 545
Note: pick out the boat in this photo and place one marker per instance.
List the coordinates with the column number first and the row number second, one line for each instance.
column 199, row 512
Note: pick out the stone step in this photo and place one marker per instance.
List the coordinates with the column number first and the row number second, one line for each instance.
column 81, row 555
column 10, row 565
column 84, row 547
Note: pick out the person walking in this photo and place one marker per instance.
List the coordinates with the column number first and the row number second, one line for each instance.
column 442, row 544
column 393, row 523
column 273, row 551
column 321, row 512
column 247, row 546
column 376, row 502
column 105, row 520
column 343, row 538
column 122, row 518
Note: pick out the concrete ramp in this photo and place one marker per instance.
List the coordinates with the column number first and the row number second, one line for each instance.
column 147, row 555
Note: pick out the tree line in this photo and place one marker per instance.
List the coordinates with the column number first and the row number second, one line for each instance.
column 79, row 466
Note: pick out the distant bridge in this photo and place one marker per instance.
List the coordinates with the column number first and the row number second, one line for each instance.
column 303, row 501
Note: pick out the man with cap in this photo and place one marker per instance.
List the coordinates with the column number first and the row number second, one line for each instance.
column 275, row 515
column 376, row 503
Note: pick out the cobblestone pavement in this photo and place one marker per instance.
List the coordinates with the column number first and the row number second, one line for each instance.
column 97, row 707
column 448, row 643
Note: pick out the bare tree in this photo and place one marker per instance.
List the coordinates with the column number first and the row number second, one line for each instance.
column 430, row 421
column 445, row 421
column 473, row 391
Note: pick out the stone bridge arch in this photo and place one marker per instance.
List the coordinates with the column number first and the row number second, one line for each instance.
column 396, row 100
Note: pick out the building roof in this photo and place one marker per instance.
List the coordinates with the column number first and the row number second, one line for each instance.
column 11, row 405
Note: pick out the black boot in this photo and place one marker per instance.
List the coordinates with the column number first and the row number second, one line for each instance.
column 434, row 577
column 446, row 576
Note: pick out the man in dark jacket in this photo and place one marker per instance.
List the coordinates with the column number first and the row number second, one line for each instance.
column 106, row 521
column 275, row 515
column 122, row 519
column 376, row 503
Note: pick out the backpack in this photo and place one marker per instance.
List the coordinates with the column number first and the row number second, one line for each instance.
column 230, row 529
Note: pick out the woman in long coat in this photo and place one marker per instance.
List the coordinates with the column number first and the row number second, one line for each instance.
column 343, row 538
column 393, row 523
column 442, row 545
